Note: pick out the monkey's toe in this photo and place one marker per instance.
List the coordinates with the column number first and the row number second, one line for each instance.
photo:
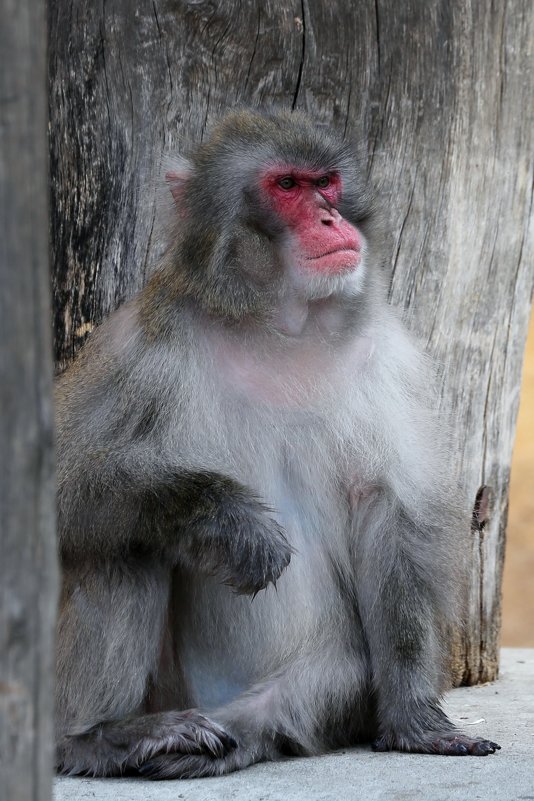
column 462, row 745
column 485, row 747
column 453, row 744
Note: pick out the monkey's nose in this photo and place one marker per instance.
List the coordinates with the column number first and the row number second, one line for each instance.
column 330, row 217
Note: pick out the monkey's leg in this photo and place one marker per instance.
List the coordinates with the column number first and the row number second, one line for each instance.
column 109, row 640
column 114, row 605
column 401, row 599
column 320, row 701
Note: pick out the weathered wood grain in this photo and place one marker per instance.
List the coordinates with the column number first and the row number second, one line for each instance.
column 442, row 94
column 27, row 536
column 456, row 153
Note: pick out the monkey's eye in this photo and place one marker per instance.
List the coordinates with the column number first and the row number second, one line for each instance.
column 323, row 182
column 287, row 182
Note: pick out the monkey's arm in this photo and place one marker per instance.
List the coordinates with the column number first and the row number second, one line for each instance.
column 124, row 485
column 406, row 594
column 203, row 520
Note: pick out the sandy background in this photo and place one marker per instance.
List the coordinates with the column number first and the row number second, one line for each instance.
column 518, row 590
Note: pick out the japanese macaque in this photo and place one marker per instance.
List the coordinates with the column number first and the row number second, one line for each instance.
column 256, row 416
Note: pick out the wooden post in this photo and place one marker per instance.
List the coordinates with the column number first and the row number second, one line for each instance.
column 28, row 573
column 443, row 94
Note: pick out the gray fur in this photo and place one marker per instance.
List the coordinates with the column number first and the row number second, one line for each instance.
column 231, row 428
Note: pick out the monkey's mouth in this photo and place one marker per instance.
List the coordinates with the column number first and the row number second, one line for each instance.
column 333, row 252
column 337, row 260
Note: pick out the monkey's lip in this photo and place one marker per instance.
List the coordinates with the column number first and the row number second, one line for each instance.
column 355, row 251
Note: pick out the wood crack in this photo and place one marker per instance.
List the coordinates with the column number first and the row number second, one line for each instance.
column 103, row 45
column 254, row 48
column 377, row 20
column 167, row 57
column 401, row 233
column 302, row 57
column 486, row 409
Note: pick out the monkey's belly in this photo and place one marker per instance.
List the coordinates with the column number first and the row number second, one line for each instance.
column 230, row 642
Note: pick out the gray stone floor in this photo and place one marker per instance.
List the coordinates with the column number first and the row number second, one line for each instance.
column 503, row 712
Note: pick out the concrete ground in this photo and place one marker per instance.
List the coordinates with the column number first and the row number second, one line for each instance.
column 503, row 712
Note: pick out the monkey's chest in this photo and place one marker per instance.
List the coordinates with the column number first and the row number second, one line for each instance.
column 281, row 439
column 300, row 375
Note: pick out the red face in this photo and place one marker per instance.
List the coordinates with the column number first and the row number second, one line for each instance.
column 306, row 202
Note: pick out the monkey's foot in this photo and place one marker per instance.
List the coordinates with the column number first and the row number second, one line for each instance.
column 118, row 747
column 462, row 745
column 449, row 744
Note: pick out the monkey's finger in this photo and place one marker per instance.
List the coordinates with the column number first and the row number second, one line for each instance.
column 214, row 740
column 195, row 735
column 175, row 766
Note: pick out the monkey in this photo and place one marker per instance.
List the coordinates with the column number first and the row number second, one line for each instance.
column 255, row 506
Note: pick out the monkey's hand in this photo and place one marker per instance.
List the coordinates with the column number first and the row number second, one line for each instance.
column 116, row 747
column 235, row 538
column 447, row 744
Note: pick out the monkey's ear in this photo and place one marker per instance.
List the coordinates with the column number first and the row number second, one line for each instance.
column 177, row 178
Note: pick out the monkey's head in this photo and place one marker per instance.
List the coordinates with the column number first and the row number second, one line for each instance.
column 268, row 205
